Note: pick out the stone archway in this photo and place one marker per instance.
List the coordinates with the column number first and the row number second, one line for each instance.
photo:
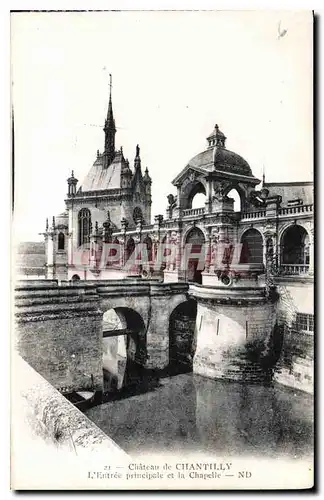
column 181, row 336
column 189, row 191
column 124, row 348
column 237, row 197
column 195, row 246
column 295, row 246
column 252, row 247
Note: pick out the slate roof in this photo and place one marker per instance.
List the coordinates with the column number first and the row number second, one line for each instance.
column 100, row 178
column 224, row 159
column 292, row 191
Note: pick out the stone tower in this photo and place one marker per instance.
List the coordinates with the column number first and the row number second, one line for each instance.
column 111, row 191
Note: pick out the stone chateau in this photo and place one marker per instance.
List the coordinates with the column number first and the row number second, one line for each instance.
column 246, row 316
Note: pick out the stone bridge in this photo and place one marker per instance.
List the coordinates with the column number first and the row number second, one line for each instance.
column 60, row 327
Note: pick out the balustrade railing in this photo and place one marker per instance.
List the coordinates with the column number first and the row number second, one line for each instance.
column 193, row 211
column 254, row 215
column 294, row 269
column 296, row 210
column 300, row 209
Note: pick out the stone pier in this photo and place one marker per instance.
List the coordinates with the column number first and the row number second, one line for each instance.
column 234, row 332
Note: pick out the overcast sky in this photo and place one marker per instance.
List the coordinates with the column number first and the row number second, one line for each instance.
column 175, row 74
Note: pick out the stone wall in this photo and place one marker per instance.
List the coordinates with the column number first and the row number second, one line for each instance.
column 59, row 328
column 296, row 364
column 47, row 432
column 234, row 341
column 59, row 333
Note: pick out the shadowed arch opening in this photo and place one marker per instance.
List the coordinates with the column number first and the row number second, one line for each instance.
column 295, row 247
column 124, row 348
column 252, row 247
column 193, row 195
column 181, row 336
column 234, row 194
column 195, row 246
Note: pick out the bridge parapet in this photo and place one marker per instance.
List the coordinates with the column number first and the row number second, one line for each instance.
column 59, row 326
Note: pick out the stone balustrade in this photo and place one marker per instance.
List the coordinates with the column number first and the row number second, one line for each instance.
column 193, row 211
column 301, row 209
column 294, row 269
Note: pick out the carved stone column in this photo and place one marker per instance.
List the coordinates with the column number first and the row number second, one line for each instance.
column 311, row 252
column 208, row 204
column 138, row 240
column 124, row 226
column 50, row 256
column 208, row 252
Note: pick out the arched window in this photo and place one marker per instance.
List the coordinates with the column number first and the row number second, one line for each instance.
column 237, row 199
column 252, row 247
column 149, row 246
column 196, row 239
column 198, row 201
column 61, row 241
column 197, row 196
column 84, row 220
column 137, row 214
column 295, row 246
column 193, row 195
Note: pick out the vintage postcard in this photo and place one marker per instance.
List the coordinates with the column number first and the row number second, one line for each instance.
column 163, row 244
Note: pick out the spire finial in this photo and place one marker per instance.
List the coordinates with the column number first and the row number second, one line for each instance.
column 263, row 176
column 72, row 174
column 137, row 151
column 110, row 131
column 110, row 85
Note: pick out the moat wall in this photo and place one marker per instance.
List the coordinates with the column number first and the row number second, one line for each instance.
column 234, row 340
column 295, row 367
column 59, row 333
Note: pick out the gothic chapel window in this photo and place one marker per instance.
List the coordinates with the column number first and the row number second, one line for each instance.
column 84, row 222
column 61, row 241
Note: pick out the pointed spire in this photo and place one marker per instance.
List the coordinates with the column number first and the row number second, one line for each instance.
column 137, row 161
column 110, row 130
column 110, row 114
column 46, row 224
column 263, row 176
column 147, row 178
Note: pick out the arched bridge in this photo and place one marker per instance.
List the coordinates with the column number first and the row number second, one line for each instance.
column 62, row 328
